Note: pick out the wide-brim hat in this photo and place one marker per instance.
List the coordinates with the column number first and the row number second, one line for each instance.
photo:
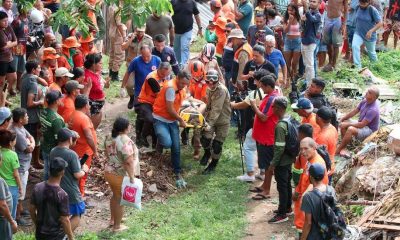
column 87, row 39
column 236, row 33
column 221, row 22
column 71, row 42
column 49, row 54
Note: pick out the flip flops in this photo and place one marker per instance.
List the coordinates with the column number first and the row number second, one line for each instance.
column 259, row 197
column 256, row 190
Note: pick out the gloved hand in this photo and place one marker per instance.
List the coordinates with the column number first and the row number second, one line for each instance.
column 123, row 93
column 180, row 183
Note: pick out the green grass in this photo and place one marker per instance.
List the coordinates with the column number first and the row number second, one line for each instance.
column 112, row 93
column 212, row 207
column 197, row 46
column 387, row 66
column 25, row 236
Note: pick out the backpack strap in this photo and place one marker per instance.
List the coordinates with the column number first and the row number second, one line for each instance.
column 269, row 103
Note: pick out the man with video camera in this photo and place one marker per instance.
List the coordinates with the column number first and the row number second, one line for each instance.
column 246, row 124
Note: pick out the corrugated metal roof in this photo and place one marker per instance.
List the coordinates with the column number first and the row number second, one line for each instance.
column 205, row 16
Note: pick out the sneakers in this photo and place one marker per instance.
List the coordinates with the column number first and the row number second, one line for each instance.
column 288, row 213
column 260, row 176
column 246, row 178
column 278, row 219
column 180, row 182
column 23, row 222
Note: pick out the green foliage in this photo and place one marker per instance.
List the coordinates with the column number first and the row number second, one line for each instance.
column 357, row 210
column 26, row 5
column 212, row 207
column 197, row 46
column 73, row 13
column 387, row 66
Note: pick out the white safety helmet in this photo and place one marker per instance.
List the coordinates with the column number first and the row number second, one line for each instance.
column 36, row 16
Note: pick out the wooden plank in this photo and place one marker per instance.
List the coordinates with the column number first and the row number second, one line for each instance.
column 385, row 220
column 382, row 226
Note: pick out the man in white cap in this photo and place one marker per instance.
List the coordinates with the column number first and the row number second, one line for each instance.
column 243, row 53
column 62, row 76
column 5, row 118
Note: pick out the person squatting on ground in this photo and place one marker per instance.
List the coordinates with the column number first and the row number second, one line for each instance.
column 151, row 87
column 122, row 160
column 167, row 120
column 217, row 116
column 73, row 172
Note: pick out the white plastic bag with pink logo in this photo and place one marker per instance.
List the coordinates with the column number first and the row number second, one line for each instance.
column 131, row 193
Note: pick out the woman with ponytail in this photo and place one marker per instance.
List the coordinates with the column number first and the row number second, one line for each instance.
column 122, row 160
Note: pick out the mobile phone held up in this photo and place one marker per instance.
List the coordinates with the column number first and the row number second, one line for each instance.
column 84, row 159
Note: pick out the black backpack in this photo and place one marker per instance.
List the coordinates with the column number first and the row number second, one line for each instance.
column 332, row 223
column 323, row 152
column 292, row 146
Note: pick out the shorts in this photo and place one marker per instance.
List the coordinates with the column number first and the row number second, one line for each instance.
column 392, row 25
column 95, row 106
column 33, row 129
column 6, row 67
column 363, row 133
column 292, row 45
column 115, row 182
column 264, row 154
column 332, row 33
column 322, row 47
column 19, row 63
column 24, row 181
column 77, row 209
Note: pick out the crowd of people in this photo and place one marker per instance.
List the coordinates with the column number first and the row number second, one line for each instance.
column 238, row 79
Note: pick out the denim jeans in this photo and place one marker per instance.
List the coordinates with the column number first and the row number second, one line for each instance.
column 15, row 195
column 308, row 52
column 168, row 137
column 250, row 151
column 46, row 160
column 356, row 48
column 317, row 42
column 181, row 47
column 283, row 176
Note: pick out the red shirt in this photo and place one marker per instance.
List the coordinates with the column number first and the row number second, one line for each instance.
column 96, row 93
column 264, row 132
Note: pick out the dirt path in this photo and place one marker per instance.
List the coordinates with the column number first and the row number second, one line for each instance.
column 258, row 214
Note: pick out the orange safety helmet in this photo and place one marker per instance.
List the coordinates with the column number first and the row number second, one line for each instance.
column 197, row 70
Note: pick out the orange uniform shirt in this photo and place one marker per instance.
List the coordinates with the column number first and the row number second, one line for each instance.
column 329, row 137
column 78, row 122
column 67, row 108
column 63, row 62
column 304, row 183
column 55, row 87
column 198, row 90
column 312, row 120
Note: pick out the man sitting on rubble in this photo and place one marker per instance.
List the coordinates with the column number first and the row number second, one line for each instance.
column 368, row 121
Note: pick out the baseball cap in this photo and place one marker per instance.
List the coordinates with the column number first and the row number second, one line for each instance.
column 303, row 103
column 325, row 113
column 57, row 165
column 64, row 134
column 4, row 114
column 53, row 96
column 317, row 171
column 71, row 85
column 63, row 72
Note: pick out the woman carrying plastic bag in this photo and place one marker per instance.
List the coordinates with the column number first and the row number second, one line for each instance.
column 122, row 163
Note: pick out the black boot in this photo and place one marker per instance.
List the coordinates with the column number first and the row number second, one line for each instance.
column 131, row 102
column 211, row 167
column 206, row 157
column 185, row 136
column 115, row 76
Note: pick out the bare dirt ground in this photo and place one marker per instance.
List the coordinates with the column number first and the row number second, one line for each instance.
column 258, row 214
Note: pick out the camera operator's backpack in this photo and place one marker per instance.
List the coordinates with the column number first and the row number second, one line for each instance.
column 323, row 152
column 331, row 223
column 292, row 146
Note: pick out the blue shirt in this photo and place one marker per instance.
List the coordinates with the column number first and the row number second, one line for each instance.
column 313, row 21
column 141, row 70
column 351, row 16
column 365, row 20
column 247, row 11
column 168, row 55
column 276, row 58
